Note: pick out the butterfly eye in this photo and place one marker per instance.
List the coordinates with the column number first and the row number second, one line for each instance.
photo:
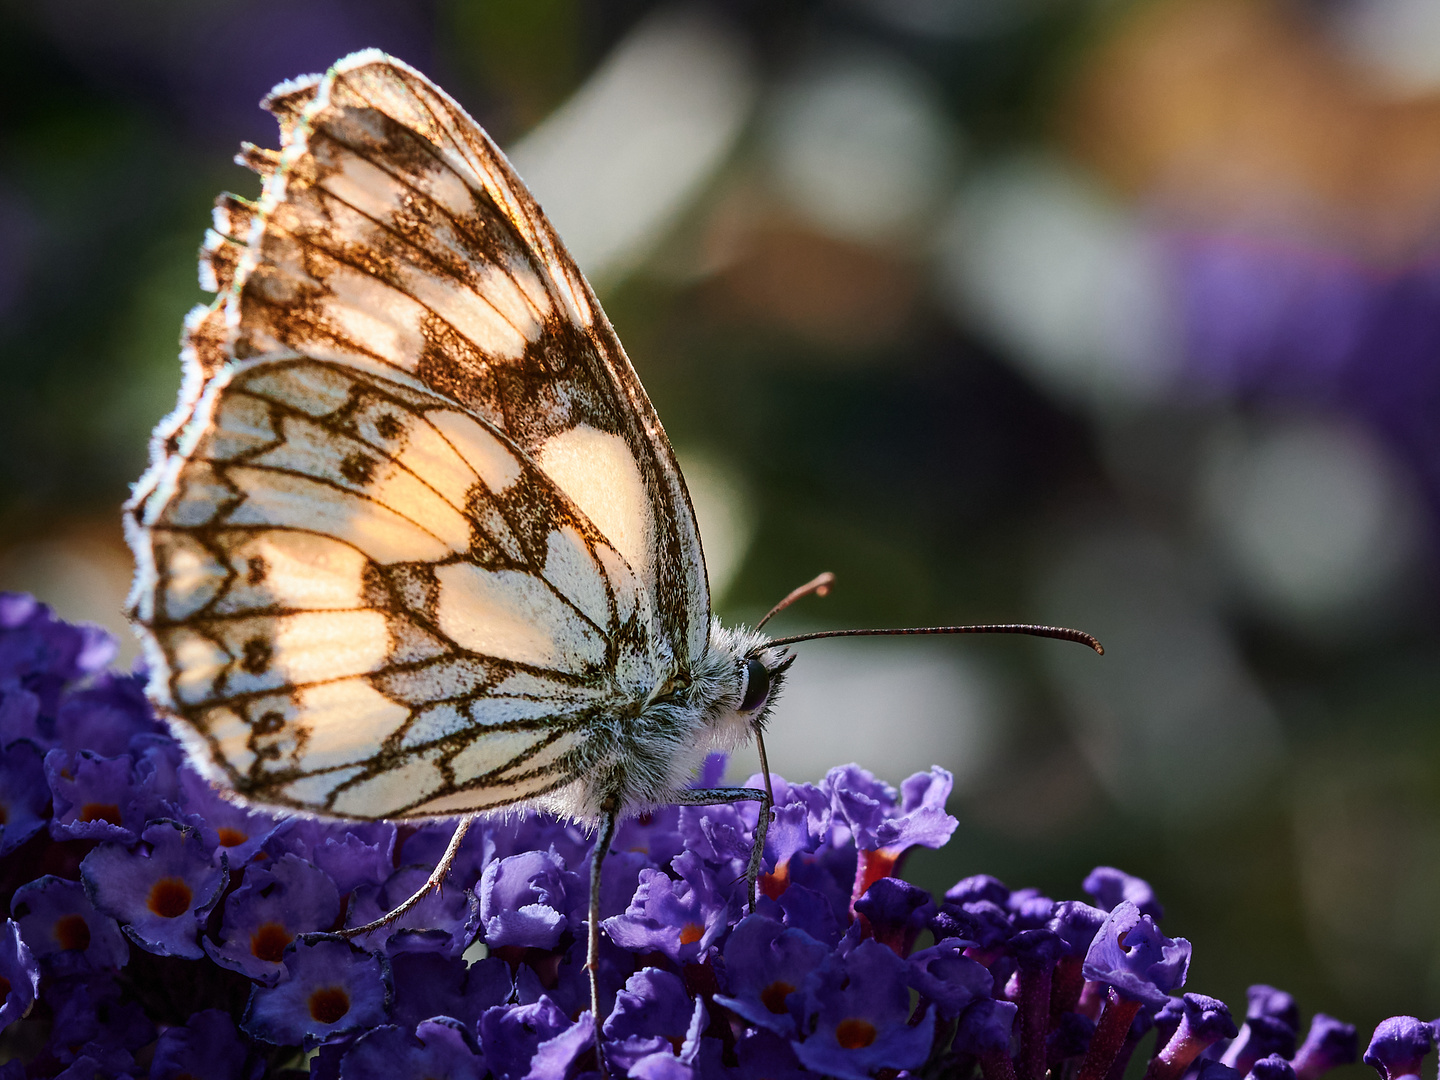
column 757, row 686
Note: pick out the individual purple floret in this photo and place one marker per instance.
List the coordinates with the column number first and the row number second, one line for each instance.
column 896, row 912
column 536, row 1040
column 160, row 895
column 353, row 853
column 440, row 1047
column 19, row 975
column 1260, row 1036
column 718, row 834
column 330, row 987
column 984, row 1033
column 1271, row 1067
column 945, row 976
column 527, row 900
column 1131, row 955
column 96, row 798
column 1140, row 965
column 1263, row 1000
column 880, row 829
column 856, row 1010
column 878, row 820
column 1216, row 1070
column 1398, row 1046
column 237, row 831
column 653, row 1015
column 765, row 965
column 110, row 716
column 1330, row 1043
column 978, row 887
column 1203, row 1022
column 25, row 798
column 44, row 652
column 1076, row 924
column 805, row 909
column 1110, row 887
column 980, row 921
column 680, row 918
column 1029, row 909
column 801, row 823
column 984, row 924
column 278, row 901
column 207, row 1045
column 63, row 928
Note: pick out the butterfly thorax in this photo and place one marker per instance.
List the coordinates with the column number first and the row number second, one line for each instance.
column 643, row 754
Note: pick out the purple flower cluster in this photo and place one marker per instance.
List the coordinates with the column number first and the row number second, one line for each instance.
column 158, row 931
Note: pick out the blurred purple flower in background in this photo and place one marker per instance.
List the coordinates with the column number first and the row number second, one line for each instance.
column 209, row 64
column 232, row 969
column 1294, row 323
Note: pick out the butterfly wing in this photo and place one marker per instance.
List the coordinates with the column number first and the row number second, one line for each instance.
column 367, row 601
column 393, row 233
column 413, row 536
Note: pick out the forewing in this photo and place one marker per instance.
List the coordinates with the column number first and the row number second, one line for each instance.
column 364, row 600
column 393, row 237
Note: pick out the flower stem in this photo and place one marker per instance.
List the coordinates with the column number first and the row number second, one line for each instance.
column 997, row 1066
column 1034, row 1021
column 1109, row 1037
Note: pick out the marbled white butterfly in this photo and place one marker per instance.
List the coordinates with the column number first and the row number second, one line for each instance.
column 413, row 542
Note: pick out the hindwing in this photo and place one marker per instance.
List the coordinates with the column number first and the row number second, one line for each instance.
column 367, row 601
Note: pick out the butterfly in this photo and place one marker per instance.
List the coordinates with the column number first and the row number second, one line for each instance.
column 413, row 542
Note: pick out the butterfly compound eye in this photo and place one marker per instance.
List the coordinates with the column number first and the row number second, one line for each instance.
column 757, row 686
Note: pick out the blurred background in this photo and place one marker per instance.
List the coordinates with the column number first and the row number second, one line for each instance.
column 1121, row 315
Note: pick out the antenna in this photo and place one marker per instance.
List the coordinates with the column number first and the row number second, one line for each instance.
column 1032, row 629
column 820, row 586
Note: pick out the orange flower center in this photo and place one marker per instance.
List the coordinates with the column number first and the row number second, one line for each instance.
column 72, row 932
column 269, row 941
column 100, row 811
column 854, row 1033
column 231, row 837
column 329, row 1003
column 692, row 933
column 773, row 996
column 169, row 898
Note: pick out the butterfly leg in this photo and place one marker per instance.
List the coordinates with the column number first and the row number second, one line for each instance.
column 717, row 796
column 441, row 872
column 592, row 950
column 592, row 945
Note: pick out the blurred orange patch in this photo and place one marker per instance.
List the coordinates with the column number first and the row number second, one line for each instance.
column 1244, row 111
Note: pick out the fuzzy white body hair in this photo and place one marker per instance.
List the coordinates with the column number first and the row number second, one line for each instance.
column 643, row 760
